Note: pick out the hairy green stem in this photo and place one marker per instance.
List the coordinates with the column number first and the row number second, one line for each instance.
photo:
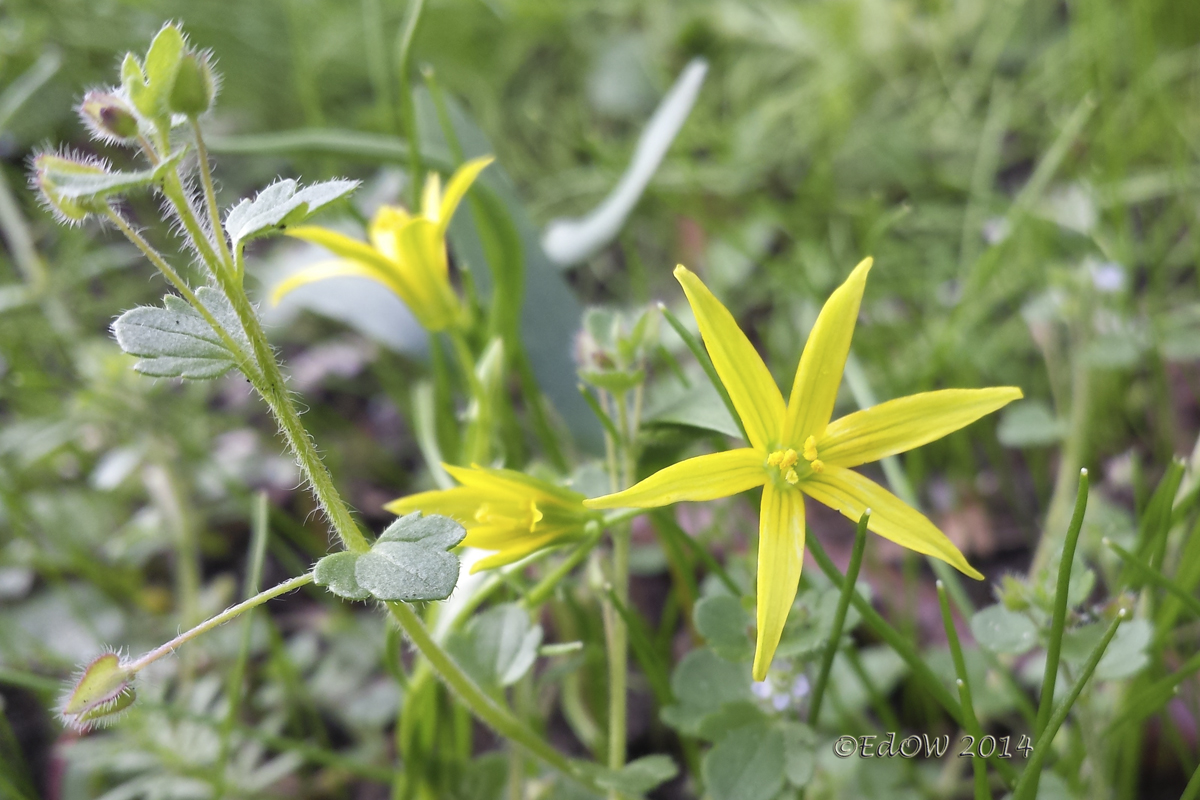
column 220, row 619
column 210, row 194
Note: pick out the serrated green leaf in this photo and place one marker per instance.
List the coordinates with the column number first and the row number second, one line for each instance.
column 175, row 341
column 1003, row 631
column 723, row 622
column 746, row 766
column 281, row 204
column 336, row 573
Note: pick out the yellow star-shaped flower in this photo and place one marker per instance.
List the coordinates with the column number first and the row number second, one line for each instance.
column 795, row 449
column 407, row 253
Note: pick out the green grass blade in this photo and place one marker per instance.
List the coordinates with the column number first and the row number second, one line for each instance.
column 1027, row 786
column 839, row 617
column 884, row 630
column 1059, row 620
column 970, row 721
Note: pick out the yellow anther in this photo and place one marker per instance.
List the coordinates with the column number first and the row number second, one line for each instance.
column 817, row 465
column 791, row 477
column 483, row 513
column 810, row 449
column 774, row 459
column 789, row 459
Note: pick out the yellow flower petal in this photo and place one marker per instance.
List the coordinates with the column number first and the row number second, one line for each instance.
column 421, row 262
column 701, row 478
column 431, row 197
column 908, row 422
column 512, row 484
column 342, row 268
column 780, row 559
column 457, row 188
column 850, row 493
column 820, row 371
column 459, row 503
column 513, row 553
column 750, row 385
column 383, row 228
column 341, row 245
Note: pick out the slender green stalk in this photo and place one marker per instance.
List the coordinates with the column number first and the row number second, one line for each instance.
column 1026, row 788
column 546, row 586
column 970, row 721
column 210, row 194
column 490, row 712
column 839, row 617
column 1059, row 619
column 219, row 619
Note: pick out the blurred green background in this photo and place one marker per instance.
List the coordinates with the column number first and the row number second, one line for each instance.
column 1026, row 175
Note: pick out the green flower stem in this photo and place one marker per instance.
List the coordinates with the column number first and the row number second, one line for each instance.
column 500, row 719
column 1059, row 619
column 1026, row 788
column 546, row 586
column 622, row 466
column 219, row 619
column 173, row 190
column 839, row 617
column 970, row 721
column 210, row 194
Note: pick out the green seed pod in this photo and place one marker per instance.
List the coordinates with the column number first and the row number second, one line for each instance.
column 195, row 85
column 57, row 178
column 103, row 690
column 109, row 117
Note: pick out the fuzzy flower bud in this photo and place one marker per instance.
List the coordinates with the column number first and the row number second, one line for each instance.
column 109, row 117
column 56, row 178
column 195, row 86
column 103, row 690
